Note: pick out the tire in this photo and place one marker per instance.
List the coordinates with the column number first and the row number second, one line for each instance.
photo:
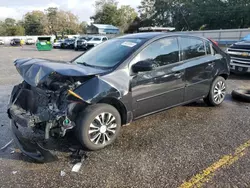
column 76, row 49
column 241, row 95
column 88, row 127
column 218, row 88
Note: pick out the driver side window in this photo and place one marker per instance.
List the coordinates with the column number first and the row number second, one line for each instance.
column 161, row 52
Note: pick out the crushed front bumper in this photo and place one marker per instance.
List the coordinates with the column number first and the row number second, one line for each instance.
column 31, row 149
column 20, row 118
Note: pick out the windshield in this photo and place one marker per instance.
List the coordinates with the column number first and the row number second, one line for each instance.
column 96, row 39
column 110, row 53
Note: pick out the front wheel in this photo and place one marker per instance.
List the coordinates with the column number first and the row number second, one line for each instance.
column 98, row 126
column 217, row 92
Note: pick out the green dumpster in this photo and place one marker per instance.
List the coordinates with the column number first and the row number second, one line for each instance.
column 44, row 44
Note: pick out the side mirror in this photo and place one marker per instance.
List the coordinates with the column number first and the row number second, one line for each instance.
column 142, row 66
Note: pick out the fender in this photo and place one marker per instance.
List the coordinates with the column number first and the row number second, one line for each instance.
column 96, row 89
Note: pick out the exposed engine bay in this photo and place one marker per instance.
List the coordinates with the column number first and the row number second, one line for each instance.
column 50, row 99
column 46, row 106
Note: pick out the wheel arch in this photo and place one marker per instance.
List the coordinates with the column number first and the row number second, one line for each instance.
column 120, row 107
column 225, row 76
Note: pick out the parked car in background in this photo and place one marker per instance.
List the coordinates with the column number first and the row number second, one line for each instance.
column 81, row 43
column 1, row 42
column 68, row 44
column 240, row 57
column 57, row 44
column 96, row 40
column 30, row 41
column 15, row 42
column 116, row 82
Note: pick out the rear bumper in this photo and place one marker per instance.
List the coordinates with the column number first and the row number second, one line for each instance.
column 29, row 148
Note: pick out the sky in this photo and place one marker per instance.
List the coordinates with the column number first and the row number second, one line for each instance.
column 82, row 8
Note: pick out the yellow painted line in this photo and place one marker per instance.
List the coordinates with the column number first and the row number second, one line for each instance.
column 199, row 179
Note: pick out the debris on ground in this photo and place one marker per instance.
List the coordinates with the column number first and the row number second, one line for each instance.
column 15, row 150
column 241, row 95
column 77, row 158
column 63, row 173
column 14, row 172
column 6, row 145
column 77, row 167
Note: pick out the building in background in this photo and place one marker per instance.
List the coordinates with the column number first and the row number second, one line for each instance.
column 102, row 29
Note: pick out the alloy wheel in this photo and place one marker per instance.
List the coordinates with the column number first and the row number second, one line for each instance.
column 219, row 92
column 102, row 129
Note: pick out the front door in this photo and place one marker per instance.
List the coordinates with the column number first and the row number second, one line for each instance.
column 162, row 87
column 199, row 64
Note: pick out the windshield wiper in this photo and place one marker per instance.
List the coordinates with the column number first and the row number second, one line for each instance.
column 88, row 65
column 85, row 64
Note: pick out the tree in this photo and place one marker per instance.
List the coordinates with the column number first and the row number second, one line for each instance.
column 83, row 27
column 51, row 14
column 195, row 14
column 134, row 26
column 126, row 15
column 147, row 11
column 99, row 4
column 10, row 22
column 12, row 28
column 62, row 22
column 107, row 15
column 35, row 23
column 2, row 28
column 67, row 23
column 107, row 12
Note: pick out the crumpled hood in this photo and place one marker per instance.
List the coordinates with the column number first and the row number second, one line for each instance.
column 34, row 71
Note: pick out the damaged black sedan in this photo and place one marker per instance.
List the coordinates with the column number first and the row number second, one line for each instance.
column 113, row 84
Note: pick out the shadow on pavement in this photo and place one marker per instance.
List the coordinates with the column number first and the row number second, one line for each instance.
column 234, row 76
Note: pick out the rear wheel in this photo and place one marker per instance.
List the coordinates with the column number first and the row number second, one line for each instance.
column 217, row 92
column 98, row 126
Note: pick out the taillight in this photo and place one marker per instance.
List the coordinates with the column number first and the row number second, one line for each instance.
column 214, row 42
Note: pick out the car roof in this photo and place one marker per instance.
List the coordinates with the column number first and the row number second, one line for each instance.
column 146, row 35
column 152, row 35
column 98, row 37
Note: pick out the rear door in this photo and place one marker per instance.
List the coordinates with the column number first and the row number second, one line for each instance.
column 162, row 87
column 199, row 63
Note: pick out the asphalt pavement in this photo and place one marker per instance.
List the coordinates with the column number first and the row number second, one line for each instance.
column 187, row 146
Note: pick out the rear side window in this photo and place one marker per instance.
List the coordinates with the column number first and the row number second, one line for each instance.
column 192, row 48
column 160, row 53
